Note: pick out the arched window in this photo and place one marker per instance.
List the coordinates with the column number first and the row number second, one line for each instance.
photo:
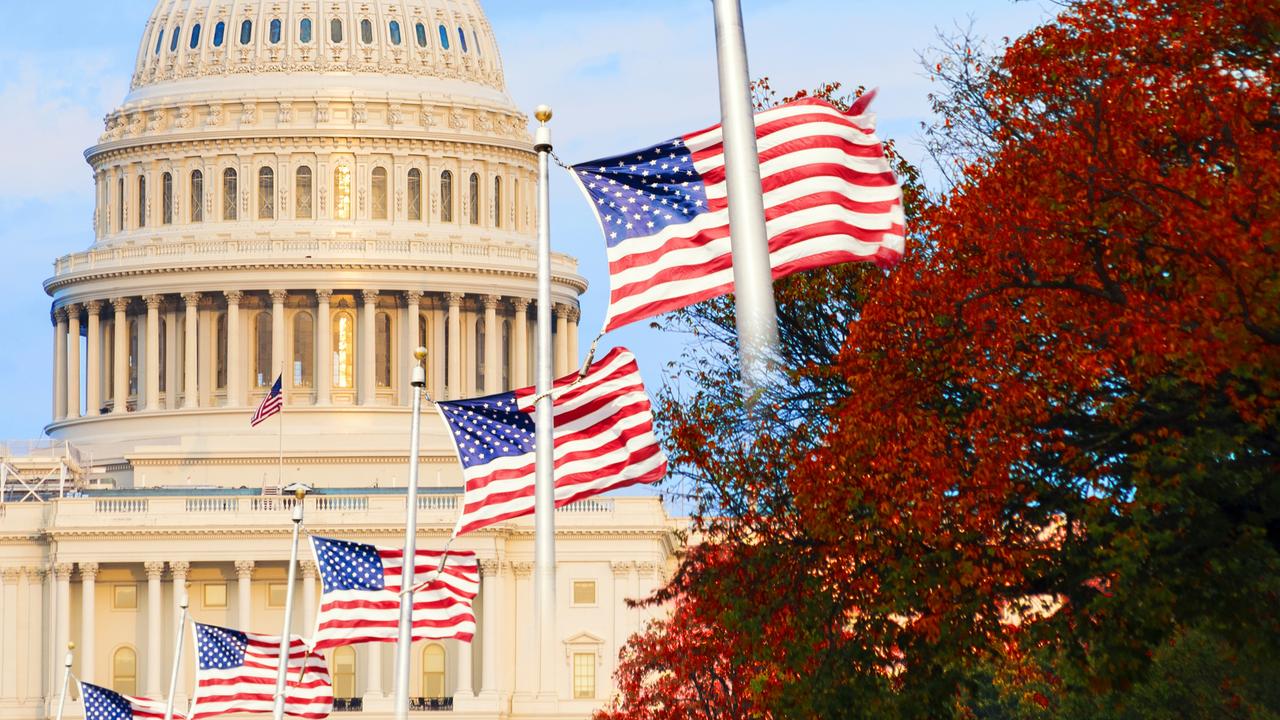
column 164, row 354
column 342, row 192
column 302, row 192
column 344, row 672
column 246, row 32
column 344, row 350
column 230, row 189
column 124, row 671
column 446, row 196
column 195, row 36
column 262, row 376
column 159, row 40
column 383, row 350
column 433, row 671
column 480, row 353
column 497, row 202
column 219, row 33
column 444, row 38
column 506, row 354
column 173, row 39
column 142, row 201
column 473, row 199
column 378, row 193
column 304, row 349
column 120, row 205
column 394, row 27
column 515, row 202
column 415, row 194
column 422, row 331
column 335, row 30
column 420, row 31
column 220, row 351
column 166, row 198
column 366, row 31
column 197, row 196
column 304, row 31
column 266, row 193
column 476, row 37
column 462, row 40
column 274, row 31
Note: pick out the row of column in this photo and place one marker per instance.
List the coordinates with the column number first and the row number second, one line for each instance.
column 67, row 356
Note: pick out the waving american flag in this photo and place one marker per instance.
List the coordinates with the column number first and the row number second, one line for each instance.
column 103, row 704
column 603, row 440
column 236, row 673
column 829, row 197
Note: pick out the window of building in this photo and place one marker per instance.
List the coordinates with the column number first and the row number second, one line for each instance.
column 215, row 595
column 304, row 349
column 302, row 192
column 230, row 190
column 142, row 201
column 420, row 31
column 173, row 39
column 383, row 349
column 378, row 193
column 124, row 671
column 342, row 192
column 134, row 328
column 273, row 32
column 195, row 36
column 219, row 33
column 584, row 676
column 304, row 31
column 366, row 31
column 266, row 193
column 262, row 376
column 444, row 38
column 335, row 30
column 506, row 354
column 120, row 205
column 480, row 353
column 166, row 198
column 446, row 196
column 246, row 32
column 497, row 202
column 476, row 37
column 433, row 671
column 422, row 330
column 415, row 194
column 473, row 198
column 344, row 351
column 584, row 593
column 220, row 351
column 164, row 354
column 124, row 597
column 197, row 196
column 462, row 40
column 277, row 594
column 344, row 671
column 159, row 41
column 394, row 28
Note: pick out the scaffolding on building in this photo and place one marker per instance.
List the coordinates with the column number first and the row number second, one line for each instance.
column 41, row 470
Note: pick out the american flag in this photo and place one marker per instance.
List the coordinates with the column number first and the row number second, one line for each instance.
column 236, row 673
column 271, row 404
column 603, row 440
column 829, row 197
column 360, row 599
column 103, row 704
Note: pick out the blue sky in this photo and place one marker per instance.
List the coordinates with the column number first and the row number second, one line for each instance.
column 619, row 75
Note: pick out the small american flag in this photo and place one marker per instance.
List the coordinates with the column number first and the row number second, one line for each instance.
column 236, row 673
column 603, row 440
column 103, row 704
column 829, row 197
column 271, row 404
column 360, row 599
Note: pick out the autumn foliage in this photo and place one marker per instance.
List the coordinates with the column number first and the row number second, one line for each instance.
column 1069, row 390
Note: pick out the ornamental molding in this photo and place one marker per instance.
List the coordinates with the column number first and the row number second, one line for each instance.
column 176, row 460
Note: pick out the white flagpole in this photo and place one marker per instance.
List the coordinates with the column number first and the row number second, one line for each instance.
column 177, row 656
column 544, row 529
column 287, row 635
column 408, row 578
column 757, row 314
column 66, row 680
column 280, row 417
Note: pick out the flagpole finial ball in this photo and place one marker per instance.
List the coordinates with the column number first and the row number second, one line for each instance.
column 71, row 646
column 543, row 113
column 300, row 492
column 420, row 354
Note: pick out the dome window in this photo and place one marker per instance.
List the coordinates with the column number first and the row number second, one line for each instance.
column 446, row 196
column 304, row 31
column 462, row 40
column 476, row 37
column 378, row 193
column 444, row 38
column 335, row 30
column 415, row 194
column 366, row 31
column 395, row 32
column 159, row 41
column 275, row 32
column 195, row 36
column 246, row 32
column 421, row 31
column 173, row 39
column 219, row 34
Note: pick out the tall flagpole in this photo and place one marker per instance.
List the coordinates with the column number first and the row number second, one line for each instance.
column 177, row 657
column 286, row 636
column 544, row 528
column 404, row 641
column 757, row 314
column 280, row 427
column 66, row 679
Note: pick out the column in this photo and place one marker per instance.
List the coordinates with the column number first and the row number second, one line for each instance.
column 492, row 335
column 491, row 572
column 9, row 651
column 244, row 598
column 155, row 570
column 365, row 359
column 173, row 352
column 235, row 363
column 61, row 606
column 88, row 618
column 646, row 583
column 525, row 656
column 59, row 364
column 561, row 352
column 277, row 333
column 120, row 346
column 412, row 311
column 373, row 672
column 179, row 570
column 454, row 380
column 574, row 315
column 308, row 570
column 464, row 691
column 152, row 366
column 73, row 361
column 324, row 353
column 520, row 329
column 93, row 359
column 189, row 357
column 623, row 589
column 31, row 632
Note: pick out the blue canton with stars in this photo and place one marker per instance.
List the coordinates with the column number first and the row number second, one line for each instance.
column 220, row 648
column 489, row 427
column 346, row 565
column 103, row 704
column 640, row 193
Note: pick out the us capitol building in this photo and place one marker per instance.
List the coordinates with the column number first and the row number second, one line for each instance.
column 309, row 188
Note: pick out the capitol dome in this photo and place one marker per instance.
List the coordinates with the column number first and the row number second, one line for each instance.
column 304, row 188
